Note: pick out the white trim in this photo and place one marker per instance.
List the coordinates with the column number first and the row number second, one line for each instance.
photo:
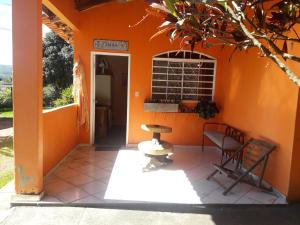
column 214, row 80
column 184, row 51
column 92, row 93
column 184, row 60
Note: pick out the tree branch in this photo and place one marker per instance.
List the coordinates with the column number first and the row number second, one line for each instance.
column 291, row 75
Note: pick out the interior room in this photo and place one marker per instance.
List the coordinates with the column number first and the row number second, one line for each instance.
column 111, row 82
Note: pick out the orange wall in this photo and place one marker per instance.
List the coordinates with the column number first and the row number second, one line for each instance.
column 252, row 93
column 260, row 100
column 60, row 134
column 99, row 23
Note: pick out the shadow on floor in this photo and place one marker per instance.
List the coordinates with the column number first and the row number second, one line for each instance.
column 115, row 139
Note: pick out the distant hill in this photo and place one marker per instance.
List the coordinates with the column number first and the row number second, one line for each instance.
column 5, row 72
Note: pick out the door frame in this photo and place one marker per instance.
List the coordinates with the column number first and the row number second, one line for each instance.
column 93, row 89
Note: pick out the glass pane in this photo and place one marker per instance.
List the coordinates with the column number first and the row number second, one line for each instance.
column 159, row 77
column 175, row 64
column 192, row 65
column 174, row 90
column 174, row 71
column 160, row 63
column 189, row 97
column 175, row 77
column 174, row 84
column 190, row 84
column 159, row 96
column 205, row 85
column 190, row 78
column 174, row 97
column 159, row 90
column 206, row 78
column 190, row 91
column 160, row 70
column 205, row 91
column 159, row 83
column 176, row 55
column 207, row 65
column 207, row 72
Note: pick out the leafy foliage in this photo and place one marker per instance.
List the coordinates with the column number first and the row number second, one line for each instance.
column 57, row 62
column 49, row 95
column 206, row 108
column 268, row 25
column 5, row 98
column 65, row 98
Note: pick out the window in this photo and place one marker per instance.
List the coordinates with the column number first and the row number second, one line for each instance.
column 183, row 75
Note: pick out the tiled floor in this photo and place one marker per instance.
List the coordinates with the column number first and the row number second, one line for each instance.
column 89, row 176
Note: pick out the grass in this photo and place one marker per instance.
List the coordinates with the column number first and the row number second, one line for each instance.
column 6, row 177
column 6, row 147
column 6, row 161
column 6, row 113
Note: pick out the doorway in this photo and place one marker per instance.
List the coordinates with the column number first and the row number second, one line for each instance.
column 110, row 102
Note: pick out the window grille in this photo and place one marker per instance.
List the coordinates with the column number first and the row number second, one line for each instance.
column 183, row 75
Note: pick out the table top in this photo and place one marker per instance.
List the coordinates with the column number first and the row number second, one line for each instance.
column 156, row 128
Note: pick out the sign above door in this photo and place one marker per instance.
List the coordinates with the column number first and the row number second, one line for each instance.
column 111, row 45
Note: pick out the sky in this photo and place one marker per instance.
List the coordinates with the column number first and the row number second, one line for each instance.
column 6, row 32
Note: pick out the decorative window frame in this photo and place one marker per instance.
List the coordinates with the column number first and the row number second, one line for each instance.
column 189, row 58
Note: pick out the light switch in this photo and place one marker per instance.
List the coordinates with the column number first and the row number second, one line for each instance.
column 136, row 93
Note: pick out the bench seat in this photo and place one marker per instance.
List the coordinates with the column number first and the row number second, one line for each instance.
column 217, row 138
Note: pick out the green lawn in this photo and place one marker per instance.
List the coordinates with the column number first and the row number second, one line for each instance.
column 6, row 113
column 6, row 161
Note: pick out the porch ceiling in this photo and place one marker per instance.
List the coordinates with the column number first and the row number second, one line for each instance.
column 86, row 4
column 57, row 25
column 82, row 5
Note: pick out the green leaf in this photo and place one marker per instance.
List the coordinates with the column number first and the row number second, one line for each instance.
column 171, row 7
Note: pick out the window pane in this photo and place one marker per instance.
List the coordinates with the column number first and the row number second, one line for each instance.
column 160, row 70
column 160, row 63
column 182, row 80
column 207, row 65
column 190, row 97
column 175, row 64
column 159, row 90
column 190, row 78
column 159, row 77
column 207, row 72
column 205, row 85
column 174, row 71
column 190, row 91
column 175, row 77
column 174, row 90
column 206, row 78
column 174, row 84
column 159, row 83
column 174, row 97
column 190, row 84
column 176, row 55
column 192, row 65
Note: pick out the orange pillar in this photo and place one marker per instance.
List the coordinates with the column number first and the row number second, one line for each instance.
column 27, row 93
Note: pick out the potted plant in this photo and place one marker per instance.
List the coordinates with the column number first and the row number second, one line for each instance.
column 206, row 108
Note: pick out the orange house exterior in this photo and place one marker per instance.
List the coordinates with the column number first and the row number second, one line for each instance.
column 251, row 92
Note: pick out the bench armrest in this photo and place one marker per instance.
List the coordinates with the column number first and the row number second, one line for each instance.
column 234, row 133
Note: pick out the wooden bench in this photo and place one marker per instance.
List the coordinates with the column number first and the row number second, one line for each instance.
column 227, row 138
